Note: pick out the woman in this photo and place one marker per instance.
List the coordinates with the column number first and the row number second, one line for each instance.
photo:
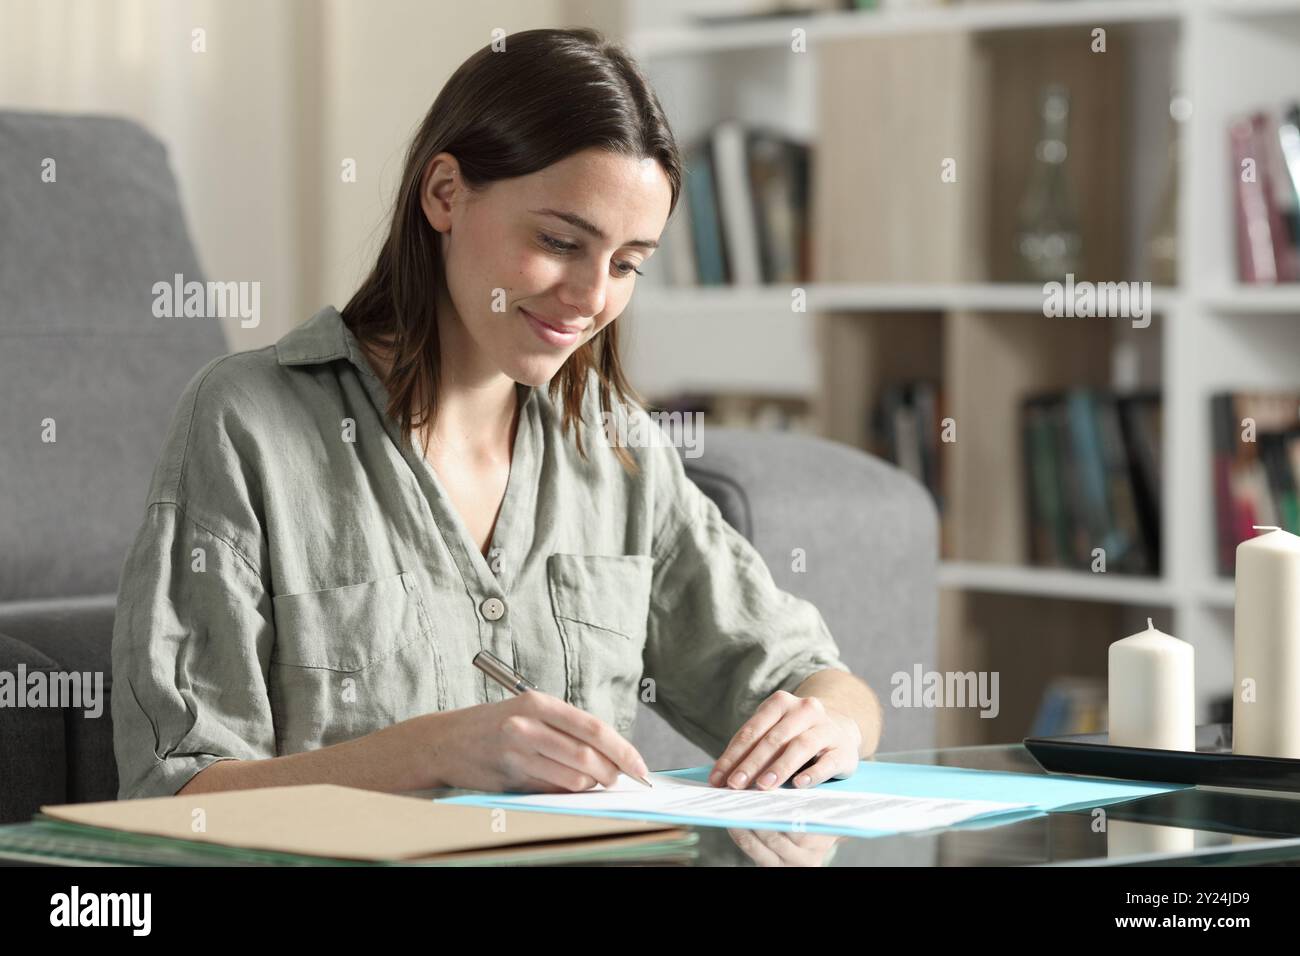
column 341, row 521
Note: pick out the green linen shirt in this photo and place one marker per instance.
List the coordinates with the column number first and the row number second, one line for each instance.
column 300, row 579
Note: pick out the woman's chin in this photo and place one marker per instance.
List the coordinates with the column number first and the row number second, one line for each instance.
column 535, row 371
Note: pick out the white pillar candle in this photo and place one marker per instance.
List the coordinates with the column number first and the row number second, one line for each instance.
column 1266, row 646
column 1152, row 690
column 1129, row 838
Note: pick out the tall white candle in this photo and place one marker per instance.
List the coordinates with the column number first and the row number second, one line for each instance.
column 1266, row 646
column 1152, row 691
column 1129, row 838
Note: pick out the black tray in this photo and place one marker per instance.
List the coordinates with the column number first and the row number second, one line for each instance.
column 1212, row 763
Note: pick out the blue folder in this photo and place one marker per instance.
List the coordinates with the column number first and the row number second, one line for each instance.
column 1044, row 793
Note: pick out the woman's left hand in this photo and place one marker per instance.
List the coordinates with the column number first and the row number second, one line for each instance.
column 785, row 733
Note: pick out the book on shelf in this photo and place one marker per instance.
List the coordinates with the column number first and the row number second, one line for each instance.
column 1256, row 467
column 778, row 168
column 1266, row 169
column 1287, row 164
column 906, row 430
column 1072, row 705
column 744, row 220
column 1091, row 462
column 705, row 225
column 734, row 12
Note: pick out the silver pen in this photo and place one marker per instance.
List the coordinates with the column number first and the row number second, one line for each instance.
column 517, row 683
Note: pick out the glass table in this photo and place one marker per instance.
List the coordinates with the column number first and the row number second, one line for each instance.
column 1194, row 826
column 1197, row 826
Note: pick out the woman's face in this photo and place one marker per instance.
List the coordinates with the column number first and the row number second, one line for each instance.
column 538, row 264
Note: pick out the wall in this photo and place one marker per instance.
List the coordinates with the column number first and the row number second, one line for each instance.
column 259, row 122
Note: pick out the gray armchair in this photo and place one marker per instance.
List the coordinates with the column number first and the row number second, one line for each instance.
column 81, row 353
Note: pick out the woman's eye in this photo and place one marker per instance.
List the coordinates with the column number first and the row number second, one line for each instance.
column 558, row 245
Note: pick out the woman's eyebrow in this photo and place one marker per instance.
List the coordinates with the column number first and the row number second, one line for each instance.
column 573, row 219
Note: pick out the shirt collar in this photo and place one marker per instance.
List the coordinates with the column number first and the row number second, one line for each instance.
column 322, row 338
column 325, row 337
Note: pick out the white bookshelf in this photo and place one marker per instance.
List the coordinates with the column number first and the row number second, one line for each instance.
column 1054, row 583
column 675, row 41
column 1244, row 300
column 1226, row 56
column 896, row 297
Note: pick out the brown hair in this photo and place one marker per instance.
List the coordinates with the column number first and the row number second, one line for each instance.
column 547, row 95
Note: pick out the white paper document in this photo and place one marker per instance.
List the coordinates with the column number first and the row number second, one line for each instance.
column 839, row 808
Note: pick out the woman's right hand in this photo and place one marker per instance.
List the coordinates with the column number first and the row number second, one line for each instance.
column 531, row 742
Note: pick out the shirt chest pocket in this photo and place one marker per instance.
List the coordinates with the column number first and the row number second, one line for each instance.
column 601, row 604
column 351, row 660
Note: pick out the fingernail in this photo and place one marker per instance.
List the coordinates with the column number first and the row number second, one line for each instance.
column 738, row 778
column 769, row 778
column 715, row 777
column 802, row 780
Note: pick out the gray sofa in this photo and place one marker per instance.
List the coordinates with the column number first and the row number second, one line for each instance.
column 79, row 346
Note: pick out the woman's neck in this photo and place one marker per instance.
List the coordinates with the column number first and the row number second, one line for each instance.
column 475, row 415
column 477, row 419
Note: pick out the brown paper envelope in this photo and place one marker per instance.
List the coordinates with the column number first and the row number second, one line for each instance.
column 339, row 822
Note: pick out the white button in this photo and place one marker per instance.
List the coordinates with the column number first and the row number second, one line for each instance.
column 408, row 580
column 493, row 608
column 494, row 560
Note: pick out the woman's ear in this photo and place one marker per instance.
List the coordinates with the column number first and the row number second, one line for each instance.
column 438, row 190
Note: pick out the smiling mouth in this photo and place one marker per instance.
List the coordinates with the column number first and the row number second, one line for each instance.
column 551, row 334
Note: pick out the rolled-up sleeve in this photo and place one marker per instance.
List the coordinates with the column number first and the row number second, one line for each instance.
column 194, row 627
column 722, row 636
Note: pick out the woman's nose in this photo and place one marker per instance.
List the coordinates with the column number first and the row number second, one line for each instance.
column 585, row 290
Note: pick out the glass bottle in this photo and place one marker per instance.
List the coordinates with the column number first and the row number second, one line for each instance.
column 1162, row 240
column 1048, row 243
